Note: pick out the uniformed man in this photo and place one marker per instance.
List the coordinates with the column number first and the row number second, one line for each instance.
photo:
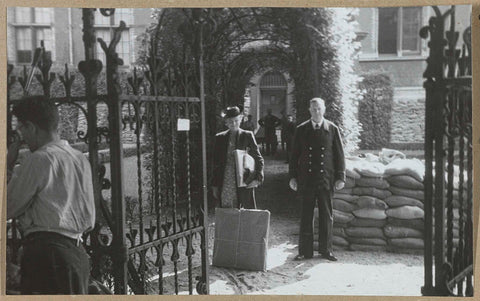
column 317, row 167
column 270, row 123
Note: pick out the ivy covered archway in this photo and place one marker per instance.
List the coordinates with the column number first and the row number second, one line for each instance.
column 315, row 46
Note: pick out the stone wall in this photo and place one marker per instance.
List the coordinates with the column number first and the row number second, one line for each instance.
column 408, row 115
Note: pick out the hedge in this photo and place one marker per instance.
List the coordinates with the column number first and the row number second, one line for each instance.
column 375, row 111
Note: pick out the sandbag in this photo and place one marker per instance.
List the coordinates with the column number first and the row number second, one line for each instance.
column 367, row 222
column 241, row 238
column 372, row 191
column 393, row 249
column 346, row 197
column 367, row 248
column 398, row 201
column 339, row 241
column 379, row 183
column 344, row 191
column 417, row 223
column 406, row 243
column 350, row 168
column 405, row 181
column 364, row 232
column 351, row 173
column 371, row 202
column 370, row 169
column 370, row 213
column 344, row 206
column 411, row 167
column 338, row 231
column 337, row 224
column 388, row 155
column 414, row 194
column 401, row 232
column 334, row 246
column 367, row 241
column 349, row 182
column 342, row 217
column 405, row 212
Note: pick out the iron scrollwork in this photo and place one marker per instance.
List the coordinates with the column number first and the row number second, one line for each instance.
column 448, row 88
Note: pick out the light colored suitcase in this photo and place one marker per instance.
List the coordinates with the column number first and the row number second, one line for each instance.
column 241, row 238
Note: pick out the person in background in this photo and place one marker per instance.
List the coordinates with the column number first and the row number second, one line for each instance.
column 270, row 123
column 288, row 130
column 247, row 123
column 224, row 183
column 317, row 167
column 51, row 196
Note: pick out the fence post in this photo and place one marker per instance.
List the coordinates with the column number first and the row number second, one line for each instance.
column 119, row 246
column 205, row 260
column 90, row 69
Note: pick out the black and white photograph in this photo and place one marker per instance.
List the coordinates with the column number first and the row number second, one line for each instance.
column 239, row 151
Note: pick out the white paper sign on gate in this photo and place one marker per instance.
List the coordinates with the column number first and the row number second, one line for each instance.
column 183, row 125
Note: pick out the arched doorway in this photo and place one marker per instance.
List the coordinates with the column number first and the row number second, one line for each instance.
column 273, row 94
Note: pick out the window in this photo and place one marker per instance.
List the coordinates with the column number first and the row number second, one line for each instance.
column 123, row 47
column 398, row 30
column 32, row 25
column 104, row 29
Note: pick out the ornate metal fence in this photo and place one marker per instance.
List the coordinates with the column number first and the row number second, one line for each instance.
column 167, row 214
column 448, row 159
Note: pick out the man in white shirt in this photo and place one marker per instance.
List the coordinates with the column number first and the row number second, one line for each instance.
column 51, row 196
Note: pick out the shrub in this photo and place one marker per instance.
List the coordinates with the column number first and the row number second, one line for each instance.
column 375, row 111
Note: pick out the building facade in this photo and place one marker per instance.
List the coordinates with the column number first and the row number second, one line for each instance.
column 392, row 45
column 61, row 30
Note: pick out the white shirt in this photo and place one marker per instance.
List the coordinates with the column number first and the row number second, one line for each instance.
column 52, row 191
column 317, row 125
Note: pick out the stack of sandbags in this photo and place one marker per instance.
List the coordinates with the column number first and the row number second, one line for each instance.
column 405, row 221
column 365, row 231
column 381, row 206
column 344, row 203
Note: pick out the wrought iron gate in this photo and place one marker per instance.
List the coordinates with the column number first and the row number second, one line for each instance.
column 167, row 216
column 448, row 159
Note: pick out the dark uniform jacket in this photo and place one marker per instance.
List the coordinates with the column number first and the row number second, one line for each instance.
column 245, row 141
column 317, row 155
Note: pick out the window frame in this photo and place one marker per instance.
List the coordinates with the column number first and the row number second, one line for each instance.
column 34, row 27
column 400, row 52
column 112, row 24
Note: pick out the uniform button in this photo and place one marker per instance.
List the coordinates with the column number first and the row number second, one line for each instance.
column 321, row 170
column 323, row 148
column 310, row 162
column 321, row 163
column 322, row 155
column 310, row 148
column 309, row 170
column 310, row 155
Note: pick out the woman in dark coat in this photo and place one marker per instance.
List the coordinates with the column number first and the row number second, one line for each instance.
column 224, row 181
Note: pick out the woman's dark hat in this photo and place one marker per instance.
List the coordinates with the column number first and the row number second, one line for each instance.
column 230, row 112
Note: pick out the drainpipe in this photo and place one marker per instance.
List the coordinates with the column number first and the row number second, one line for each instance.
column 70, row 36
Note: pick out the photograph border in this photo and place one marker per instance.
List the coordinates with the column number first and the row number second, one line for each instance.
column 243, row 3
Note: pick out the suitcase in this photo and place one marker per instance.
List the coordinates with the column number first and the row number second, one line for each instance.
column 241, row 238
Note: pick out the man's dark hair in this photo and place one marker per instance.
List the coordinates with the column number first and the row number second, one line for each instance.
column 39, row 110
